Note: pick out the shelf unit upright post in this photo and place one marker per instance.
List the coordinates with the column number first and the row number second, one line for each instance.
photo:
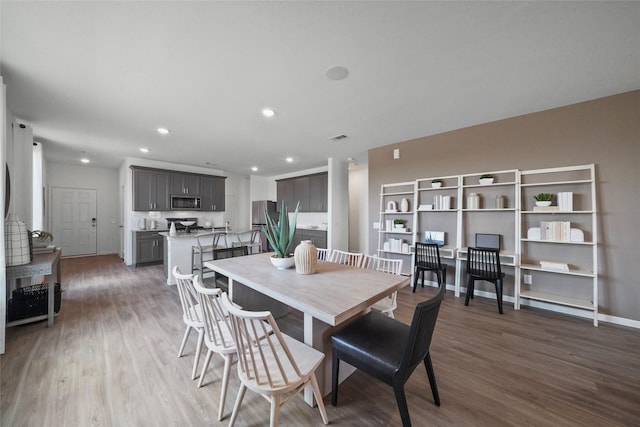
column 475, row 219
column 391, row 200
column 437, row 206
column 567, row 248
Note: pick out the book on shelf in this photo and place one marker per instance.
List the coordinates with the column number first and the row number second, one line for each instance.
column 441, row 202
column 565, row 201
column 546, row 208
column 554, row 265
column 559, row 231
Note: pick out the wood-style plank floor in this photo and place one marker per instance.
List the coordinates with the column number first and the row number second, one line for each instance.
column 111, row 360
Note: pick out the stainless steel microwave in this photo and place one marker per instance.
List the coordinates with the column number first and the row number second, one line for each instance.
column 185, row 203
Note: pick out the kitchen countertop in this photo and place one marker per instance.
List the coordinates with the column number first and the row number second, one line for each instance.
column 193, row 234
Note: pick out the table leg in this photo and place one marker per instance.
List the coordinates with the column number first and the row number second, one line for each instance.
column 51, row 298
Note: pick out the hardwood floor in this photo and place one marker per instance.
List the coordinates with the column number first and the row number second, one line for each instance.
column 111, row 360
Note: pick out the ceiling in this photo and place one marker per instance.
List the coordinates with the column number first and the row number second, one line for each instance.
column 96, row 79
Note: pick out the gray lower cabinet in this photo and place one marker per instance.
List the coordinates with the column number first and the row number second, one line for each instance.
column 148, row 248
column 317, row 237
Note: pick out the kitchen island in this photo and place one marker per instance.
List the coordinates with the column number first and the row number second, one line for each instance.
column 177, row 249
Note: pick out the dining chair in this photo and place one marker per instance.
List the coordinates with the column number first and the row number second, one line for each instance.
column 389, row 350
column 220, row 280
column 388, row 304
column 274, row 365
column 250, row 239
column 427, row 258
column 191, row 314
column 323, row 254
column 217, row 335
column 349, row 258
column 484, row 264
column 202, row 251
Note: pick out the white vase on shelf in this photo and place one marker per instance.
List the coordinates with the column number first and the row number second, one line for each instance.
column 404, row 205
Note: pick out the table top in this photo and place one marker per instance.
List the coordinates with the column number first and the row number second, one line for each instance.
column 333, row 294
column 42, row 264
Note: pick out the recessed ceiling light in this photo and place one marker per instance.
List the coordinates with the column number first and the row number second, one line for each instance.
column 144, row 150
column 337, row 73
column 289, row 159
column 268, row 112
column 255, row 169
column 163, row 131
column 85, row 160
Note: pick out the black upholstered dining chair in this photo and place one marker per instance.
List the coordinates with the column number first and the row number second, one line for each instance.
column 484, row 264
column 389, row 350
column 427, row 258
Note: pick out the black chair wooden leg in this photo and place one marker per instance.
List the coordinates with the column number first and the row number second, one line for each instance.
column 422, row 276
column 432, row 379
column 415, row 279
column 469, row 291
column 401, row 399
column 444, row 276
column 334, row 378
column 499, row 294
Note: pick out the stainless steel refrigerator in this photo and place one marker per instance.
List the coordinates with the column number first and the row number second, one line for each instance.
column 257, row 219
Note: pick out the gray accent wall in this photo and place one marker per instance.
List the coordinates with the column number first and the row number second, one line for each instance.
column 604, row 131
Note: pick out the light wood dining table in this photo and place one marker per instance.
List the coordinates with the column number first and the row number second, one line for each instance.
column 328, row 299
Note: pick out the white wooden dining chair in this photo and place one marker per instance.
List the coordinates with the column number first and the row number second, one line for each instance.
column 349, row 258
column 191, row 314
column 388, row 304
column 323, row 254
column 275, row 365
column 217, row 335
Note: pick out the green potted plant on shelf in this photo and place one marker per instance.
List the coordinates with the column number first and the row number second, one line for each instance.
column 485, row 179
column 543, row 199
column 398, row 223
column 280, row 236
column 436, row 183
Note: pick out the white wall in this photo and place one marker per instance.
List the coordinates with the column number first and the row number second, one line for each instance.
column 358, row 210
column 105, row 182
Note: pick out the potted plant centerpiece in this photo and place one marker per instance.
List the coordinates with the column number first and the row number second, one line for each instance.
column 543, row 199
column 280, row 237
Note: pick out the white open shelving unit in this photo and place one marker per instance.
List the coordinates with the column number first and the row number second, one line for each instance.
column 515, row 190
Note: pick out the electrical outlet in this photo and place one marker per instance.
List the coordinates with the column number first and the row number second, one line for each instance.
column 528, row 279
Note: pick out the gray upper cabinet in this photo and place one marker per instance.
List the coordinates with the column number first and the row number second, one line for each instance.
column 310, row 190
column 212, row 193
column 185, row 183
column 150, row 190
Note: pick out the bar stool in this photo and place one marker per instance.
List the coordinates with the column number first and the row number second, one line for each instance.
column 203, row 251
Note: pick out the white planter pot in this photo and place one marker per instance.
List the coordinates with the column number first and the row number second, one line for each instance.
column 436, row 184
column 543, row 203
column 282, row 263
column 485, row 181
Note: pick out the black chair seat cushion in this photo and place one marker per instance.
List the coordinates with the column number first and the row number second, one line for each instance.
column 376, row 342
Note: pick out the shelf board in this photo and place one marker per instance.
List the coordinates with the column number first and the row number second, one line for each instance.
column 490, row 210
column 557, row 212
column 534, row 267
column 449, row 187
column 396, row 232
column 398, row 193
column 558, row 299
column 542, row 184
column 395, row 252
column 437, row 210
column 505, row 258
column 396, row 213
column 557, row 242
column 495, row 184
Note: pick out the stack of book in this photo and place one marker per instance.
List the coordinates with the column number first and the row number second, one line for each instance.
column 559, row 231
column 553, row 265
column 565, row 201
column 441, row 202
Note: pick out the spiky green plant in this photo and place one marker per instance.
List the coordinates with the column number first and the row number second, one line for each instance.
column 280, row 235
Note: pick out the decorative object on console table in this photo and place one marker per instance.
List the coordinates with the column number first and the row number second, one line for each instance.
column 485, row 179
column 281, row 236
column 16, row 242
column 41, row 238
column 306, row 257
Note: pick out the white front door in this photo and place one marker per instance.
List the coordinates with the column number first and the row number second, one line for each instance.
column 74, row 220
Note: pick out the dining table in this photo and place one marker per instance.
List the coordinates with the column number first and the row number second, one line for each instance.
column 328, row 299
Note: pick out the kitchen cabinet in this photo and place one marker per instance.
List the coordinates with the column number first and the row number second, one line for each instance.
column 317, row 237
column 310, row 190
column 150, row 190
column 185, row 183
column 148, row 248
column 212, row 193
